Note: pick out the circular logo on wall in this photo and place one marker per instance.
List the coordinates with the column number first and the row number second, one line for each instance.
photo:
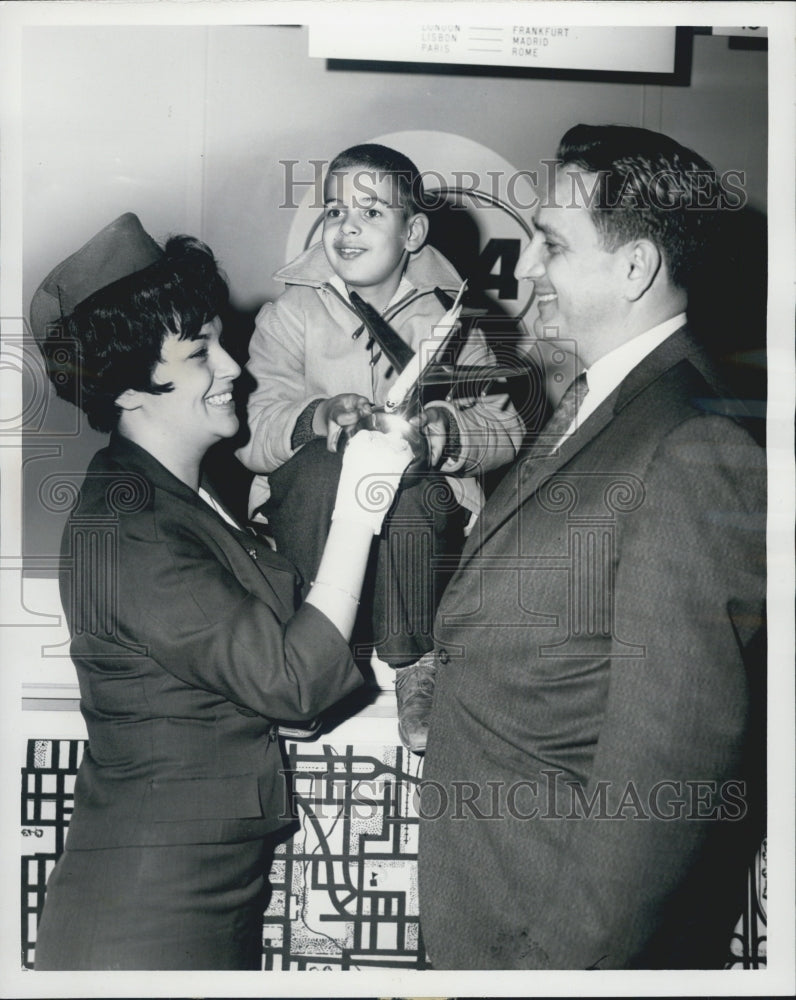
column 479, row 218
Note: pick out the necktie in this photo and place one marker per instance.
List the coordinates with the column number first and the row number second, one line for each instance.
column 563, row 415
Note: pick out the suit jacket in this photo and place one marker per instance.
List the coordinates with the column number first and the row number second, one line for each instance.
column 187, row 646
column 593, row 775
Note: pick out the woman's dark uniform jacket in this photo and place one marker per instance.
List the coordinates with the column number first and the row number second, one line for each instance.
column 187, row 649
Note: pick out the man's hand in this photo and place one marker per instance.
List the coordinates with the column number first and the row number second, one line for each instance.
column 341, row 412
column 434, row 426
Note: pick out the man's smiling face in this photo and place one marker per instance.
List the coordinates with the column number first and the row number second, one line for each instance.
column 576, row 281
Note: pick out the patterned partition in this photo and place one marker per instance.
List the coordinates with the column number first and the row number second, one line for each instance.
column 344, row 886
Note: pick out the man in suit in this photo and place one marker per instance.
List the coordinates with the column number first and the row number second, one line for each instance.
column 593, row 783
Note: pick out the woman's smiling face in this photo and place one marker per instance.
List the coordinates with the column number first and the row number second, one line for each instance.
column 199, row 409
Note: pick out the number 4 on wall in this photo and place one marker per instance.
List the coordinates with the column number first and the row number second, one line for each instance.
column 506, row 253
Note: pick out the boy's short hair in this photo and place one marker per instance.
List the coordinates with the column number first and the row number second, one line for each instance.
column 111, row 341
column 384, row 161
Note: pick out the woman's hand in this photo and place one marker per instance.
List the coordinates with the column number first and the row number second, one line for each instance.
column 373, row 464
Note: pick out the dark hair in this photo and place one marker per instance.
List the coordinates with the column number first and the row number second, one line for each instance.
column 112, row 340
column 384, row 161
column 649, row 187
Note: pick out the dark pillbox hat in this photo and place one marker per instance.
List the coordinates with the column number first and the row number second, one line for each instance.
column 118, row 250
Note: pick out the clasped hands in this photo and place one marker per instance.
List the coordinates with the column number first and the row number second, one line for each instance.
column 344, row 411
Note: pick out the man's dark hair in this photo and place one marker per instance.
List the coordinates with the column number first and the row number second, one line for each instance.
column 384, row 161
column 650, row 187
column 112, row 340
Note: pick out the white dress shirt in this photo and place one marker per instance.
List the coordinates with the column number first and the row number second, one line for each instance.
column 609, row 371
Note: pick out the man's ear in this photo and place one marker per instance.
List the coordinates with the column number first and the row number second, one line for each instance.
column 643, row 262
column 417, row 232
column 130, row 399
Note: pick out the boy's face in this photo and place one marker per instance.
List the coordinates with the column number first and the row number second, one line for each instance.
column 366, row 235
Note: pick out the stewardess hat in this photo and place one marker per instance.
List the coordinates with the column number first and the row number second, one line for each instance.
column 118, row 250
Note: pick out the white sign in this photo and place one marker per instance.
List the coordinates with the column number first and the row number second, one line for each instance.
column 759, row 32
column 525, row 44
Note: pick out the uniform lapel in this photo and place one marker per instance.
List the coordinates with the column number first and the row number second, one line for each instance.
column 128, row 455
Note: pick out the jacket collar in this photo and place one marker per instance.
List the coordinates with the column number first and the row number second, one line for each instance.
column 529, row 474
column 127, row 454
column 427, row 269
column 680, row 346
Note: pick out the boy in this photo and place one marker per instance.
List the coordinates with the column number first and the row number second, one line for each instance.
column 318, row 372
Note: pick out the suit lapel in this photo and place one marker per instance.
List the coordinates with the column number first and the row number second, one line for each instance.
column 528, row 474
column 679, row 346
